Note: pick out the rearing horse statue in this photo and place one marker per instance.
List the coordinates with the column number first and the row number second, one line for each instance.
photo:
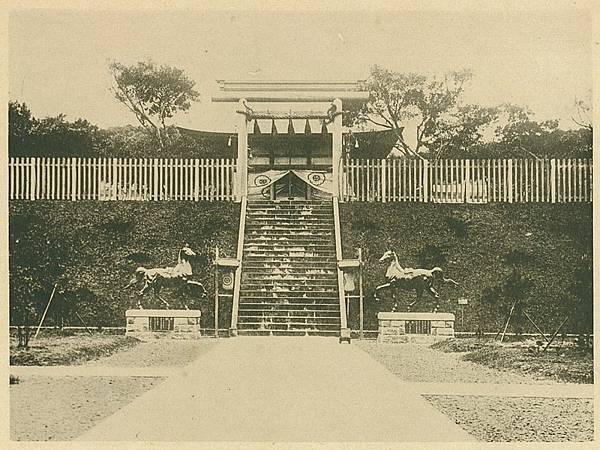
column 157, row 278
column 410, row 279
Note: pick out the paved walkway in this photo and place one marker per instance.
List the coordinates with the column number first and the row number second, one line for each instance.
column 280, row 389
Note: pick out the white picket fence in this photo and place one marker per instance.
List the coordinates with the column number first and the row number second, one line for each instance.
column 364, row 180
column 468, row 180
column 121, row 179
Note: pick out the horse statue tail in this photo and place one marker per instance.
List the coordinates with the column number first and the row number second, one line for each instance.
column 438, row 274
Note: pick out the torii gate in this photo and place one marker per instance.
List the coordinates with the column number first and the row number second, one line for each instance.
column 244, row 92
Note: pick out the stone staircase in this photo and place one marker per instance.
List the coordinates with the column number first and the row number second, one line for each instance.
column 289, row 279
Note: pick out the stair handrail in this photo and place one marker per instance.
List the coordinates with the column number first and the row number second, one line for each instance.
column 340, row 275
column 238, row 271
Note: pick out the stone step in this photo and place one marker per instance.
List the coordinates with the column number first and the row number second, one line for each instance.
column 246, row 293
column 290, row 253
column 271, row 326
column 250, row 332
column 284, row 258
column 296, row 306
column 293, row 313
column 269, row 220
column 295, row 241
column 307, row 273
column 286, row 300
column 289, row 204
column 288, row 233
column 290, row 212
column 321, row 322
column 293, row 285
column 283, row 247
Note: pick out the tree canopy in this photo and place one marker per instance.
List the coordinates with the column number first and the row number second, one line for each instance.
column 434, row 103
column 153, row 94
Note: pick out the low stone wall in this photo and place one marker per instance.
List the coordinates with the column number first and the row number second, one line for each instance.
column 425, row 328
column 163, row 323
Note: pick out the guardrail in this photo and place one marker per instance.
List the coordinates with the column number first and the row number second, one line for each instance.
column 344, row 331
column 238, row 272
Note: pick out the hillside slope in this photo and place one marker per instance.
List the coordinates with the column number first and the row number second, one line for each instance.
column 479, row 246
column 94, row 247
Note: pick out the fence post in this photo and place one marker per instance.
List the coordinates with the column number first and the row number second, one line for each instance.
column 553, row 180
column 32, row 176
column 73, row 179
column 425, row 188
column 510, row 181
column 155, row 179
column 383, row 179
column 467, row 181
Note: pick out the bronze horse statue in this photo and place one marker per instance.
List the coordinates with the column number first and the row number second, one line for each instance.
column 156, row 279
column 418, row 280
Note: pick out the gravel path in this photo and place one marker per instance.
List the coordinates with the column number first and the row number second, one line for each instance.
column 418, row 363
column 61, row 408
column 62, row 402
column 501, row 419
column 161, row 352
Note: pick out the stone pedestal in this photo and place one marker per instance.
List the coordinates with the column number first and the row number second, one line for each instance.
column 422, row 328
column 162, row 323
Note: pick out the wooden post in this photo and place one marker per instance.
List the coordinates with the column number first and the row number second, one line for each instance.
column 535, row 325
column 45, row 311
column 425, row 181
column 510, row 181
column 83, row 322
column 336, row 148
column 508, row 320
column 383, row 180
column 360, row 295
column 216, row 292
column 242, row 153
column 553, row 180
column 556, row 332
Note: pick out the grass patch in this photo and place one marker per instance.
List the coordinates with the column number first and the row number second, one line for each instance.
column 567, row 364
column 55, row 350
column 461, row 345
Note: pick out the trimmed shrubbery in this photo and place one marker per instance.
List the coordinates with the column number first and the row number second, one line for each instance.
column 485, row 248
column 92, row 249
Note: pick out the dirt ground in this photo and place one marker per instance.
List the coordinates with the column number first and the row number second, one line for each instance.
column 61, row 408
column 419, row 363
column 500, row 419
column 160, row 352
column 51, row 349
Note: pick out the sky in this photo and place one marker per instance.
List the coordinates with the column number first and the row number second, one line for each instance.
column 58, row 59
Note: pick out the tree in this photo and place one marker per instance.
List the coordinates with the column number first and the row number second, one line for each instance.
column 153, row 94
column 396, row 98
column 583, row 116
column 51, row 136
column 521, row 135
column 511, row 293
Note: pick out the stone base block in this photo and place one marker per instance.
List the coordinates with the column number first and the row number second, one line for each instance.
column 419, row 328
column 148, row 324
